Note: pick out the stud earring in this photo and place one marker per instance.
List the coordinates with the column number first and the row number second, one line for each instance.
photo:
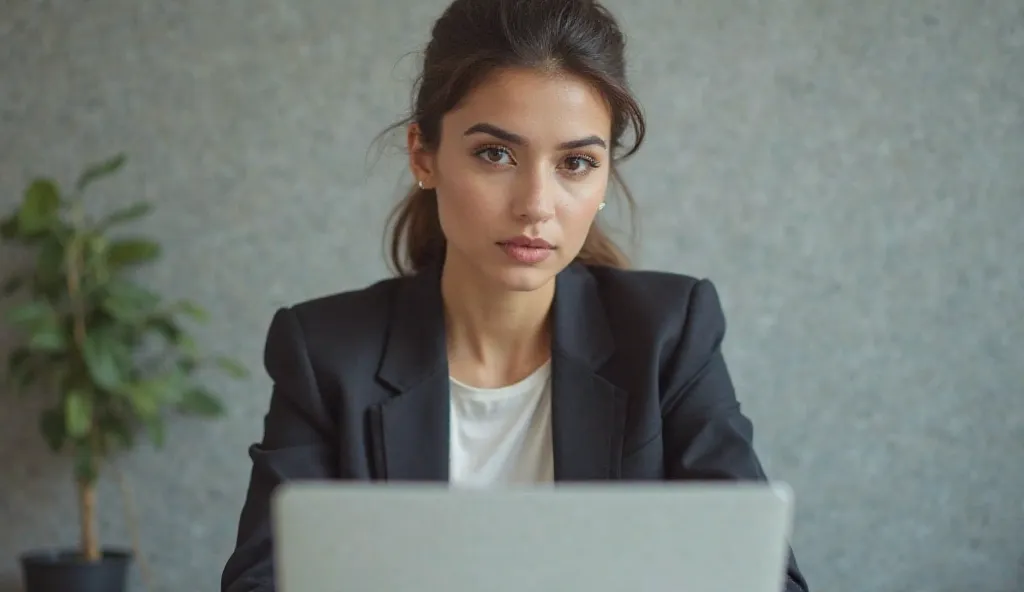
column 601, row 207
column 420, row 183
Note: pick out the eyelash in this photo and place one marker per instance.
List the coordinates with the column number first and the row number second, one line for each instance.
column 592, row 162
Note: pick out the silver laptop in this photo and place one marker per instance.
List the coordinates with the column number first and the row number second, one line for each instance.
column 665, row 537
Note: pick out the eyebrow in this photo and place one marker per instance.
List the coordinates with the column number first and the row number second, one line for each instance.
column 511, row 138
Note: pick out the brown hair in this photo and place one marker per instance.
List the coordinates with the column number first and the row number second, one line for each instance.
column 475, row 37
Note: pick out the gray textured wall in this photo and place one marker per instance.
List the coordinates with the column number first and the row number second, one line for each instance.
column 849, row 173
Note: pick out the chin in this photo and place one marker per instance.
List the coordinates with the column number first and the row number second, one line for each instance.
column 524, row 279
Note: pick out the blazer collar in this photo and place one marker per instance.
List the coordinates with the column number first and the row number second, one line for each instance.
column 415, row 348
column 588, row 413
column 580, row 323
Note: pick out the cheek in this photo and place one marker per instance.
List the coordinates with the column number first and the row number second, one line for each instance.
column 468, row 205
column 577, row 214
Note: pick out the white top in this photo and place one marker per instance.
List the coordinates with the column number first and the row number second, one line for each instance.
column 502, row 435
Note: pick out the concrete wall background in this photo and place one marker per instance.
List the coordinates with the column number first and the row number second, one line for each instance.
column 849, row 174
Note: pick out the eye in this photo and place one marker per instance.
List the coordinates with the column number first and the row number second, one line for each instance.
column 580, row 164
column 495, row 155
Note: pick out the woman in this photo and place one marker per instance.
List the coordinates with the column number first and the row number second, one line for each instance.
column 514, row 347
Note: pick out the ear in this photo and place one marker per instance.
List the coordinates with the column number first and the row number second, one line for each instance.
column 421, row 160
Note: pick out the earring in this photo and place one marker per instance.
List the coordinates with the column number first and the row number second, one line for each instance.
column 601, row 207
column 420, row 183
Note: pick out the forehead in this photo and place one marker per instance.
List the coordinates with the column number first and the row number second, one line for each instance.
column 545, row 107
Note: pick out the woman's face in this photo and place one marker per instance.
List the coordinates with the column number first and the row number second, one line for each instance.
column 520, row 171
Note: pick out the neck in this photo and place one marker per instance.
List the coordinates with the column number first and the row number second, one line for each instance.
column 494, row 335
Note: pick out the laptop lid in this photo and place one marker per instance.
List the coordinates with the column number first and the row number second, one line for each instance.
column 665, row 537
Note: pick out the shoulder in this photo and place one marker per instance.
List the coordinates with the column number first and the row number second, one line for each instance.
column 674, row 318
column 338, row 326
column 668, row 299
column 359, row 306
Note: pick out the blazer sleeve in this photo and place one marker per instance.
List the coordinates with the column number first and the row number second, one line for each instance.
column 296, row 445
column 706, row 436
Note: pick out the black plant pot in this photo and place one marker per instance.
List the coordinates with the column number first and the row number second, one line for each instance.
column 64, row 570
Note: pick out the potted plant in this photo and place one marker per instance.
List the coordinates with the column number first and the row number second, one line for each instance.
column 113, row 356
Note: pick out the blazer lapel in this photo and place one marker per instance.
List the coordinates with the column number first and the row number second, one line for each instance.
column 410, row 431
column 588, row 412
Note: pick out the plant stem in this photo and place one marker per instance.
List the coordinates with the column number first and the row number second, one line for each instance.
column 86, row 484
column 87, row 514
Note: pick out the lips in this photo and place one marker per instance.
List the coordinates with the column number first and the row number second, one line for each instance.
column 525, row 241
column 527, row 251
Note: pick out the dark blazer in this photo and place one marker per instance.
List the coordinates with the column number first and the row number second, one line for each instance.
column 640, row 391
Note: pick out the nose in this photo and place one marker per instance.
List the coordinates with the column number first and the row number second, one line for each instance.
column 534, row 202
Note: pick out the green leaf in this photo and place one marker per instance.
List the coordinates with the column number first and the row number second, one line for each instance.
column 32, row 314
column 148, row 396
column 94, row 257
column 86, row 464
column 40, row 207
column 127, row 214
column 186, row 345
column 166, row 327
column 100, row 354
column 188, row 365
column 198, row 401
column 77, row 413
column 51, row 424
column 49, row 280
column 9, row 228
column 145, row 403
column 231, row 367
column 116, row 432
column 21, row 369
column 191, row 309
column 156, row 431
column 128, row 302
column 126, row 252
column 48, row 338
column 99, row 170
column 42, row 323
column 50, row 259
column 12, row 284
